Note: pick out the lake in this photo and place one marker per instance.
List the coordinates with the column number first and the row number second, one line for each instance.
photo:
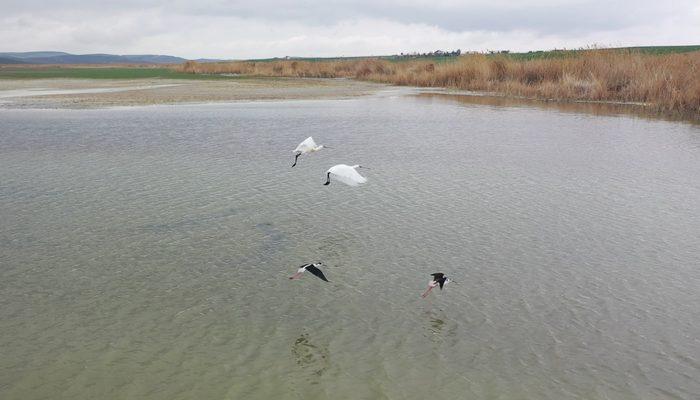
column 145, row 251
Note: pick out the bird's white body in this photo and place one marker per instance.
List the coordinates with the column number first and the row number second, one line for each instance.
column 308, row 146
column 347, row 174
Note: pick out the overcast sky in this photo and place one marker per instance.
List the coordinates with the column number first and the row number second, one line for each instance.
column 276, row 28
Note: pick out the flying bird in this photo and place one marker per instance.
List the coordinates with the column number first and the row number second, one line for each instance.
column 313, row 268
column 346, row 174
column 439, row 279
column 306, row 147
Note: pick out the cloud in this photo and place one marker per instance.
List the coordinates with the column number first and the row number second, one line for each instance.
column 266, row 28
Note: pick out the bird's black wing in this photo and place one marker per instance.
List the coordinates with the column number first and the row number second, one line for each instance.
column 442, row 281
column 437, row 276
column 316, row 272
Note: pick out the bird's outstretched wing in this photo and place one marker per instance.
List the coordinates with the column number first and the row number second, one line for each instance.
column 437, row 276
column 316, row 272
column 306, row 145
column 348, row 176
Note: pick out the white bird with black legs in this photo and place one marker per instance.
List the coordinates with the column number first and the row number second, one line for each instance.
column 313, row 268
column 346, row 174
column 306, row 147
column 439, row 279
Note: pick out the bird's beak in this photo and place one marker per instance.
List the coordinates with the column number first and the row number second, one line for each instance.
column 364, row 167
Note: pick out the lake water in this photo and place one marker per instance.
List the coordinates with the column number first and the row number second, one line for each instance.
column 144, row 252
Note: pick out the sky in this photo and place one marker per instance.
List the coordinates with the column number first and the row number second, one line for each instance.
column 326, row 28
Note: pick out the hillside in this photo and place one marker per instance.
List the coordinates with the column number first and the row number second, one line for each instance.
column 10, row 60
column 51, row 57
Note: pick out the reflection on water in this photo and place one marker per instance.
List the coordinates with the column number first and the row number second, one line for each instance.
column 436, row 329
column 437, row 325
column 594, row 108
column 441, row 329
column 310, row 357
column 144, row 253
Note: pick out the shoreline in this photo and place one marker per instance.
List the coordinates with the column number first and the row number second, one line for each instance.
column 61, row 93
column 86, row 93
column 665, row 82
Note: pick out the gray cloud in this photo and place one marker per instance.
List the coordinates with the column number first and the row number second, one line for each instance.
column 216, row 28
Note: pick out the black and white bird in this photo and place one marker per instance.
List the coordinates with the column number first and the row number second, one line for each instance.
column 313, row 268
column 439, row 279
column 306, row 147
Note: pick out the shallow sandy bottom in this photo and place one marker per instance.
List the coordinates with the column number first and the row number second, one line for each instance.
column 91, row 93
column 145, row 252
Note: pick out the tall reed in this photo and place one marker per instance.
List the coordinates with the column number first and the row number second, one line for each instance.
column 667, row 82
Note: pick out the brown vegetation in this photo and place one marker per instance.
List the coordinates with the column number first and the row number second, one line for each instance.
column 668, row 82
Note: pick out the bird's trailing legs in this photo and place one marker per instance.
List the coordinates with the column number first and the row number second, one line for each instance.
column 328, row 178
column 295, row 159
column 431, row 285
column 296, row 276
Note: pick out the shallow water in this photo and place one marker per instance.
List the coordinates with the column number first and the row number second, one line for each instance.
column 144, row 253
column 4, row 94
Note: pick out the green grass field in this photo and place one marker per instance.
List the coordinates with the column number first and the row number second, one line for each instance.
column 533, row 55
column 436, row 59
column 530, row 55
column 101, row 73
column 664, row 49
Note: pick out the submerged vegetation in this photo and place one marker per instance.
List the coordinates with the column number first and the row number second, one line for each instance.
column 668, row 82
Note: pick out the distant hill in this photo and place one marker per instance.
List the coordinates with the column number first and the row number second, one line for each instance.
column 57, row 57
column 34, row 54
column 10, row 60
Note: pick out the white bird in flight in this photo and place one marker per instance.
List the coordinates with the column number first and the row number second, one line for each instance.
column 346, row 174
column 306, row 147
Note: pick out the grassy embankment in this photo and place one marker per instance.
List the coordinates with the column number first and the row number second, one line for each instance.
column 665, row 78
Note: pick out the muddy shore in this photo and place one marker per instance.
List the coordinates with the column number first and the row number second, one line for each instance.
column 88, row 93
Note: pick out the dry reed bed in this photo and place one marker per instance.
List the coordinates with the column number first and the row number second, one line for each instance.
column 669, row 83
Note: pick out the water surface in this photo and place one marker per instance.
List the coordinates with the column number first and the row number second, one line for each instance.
column 144, row 253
